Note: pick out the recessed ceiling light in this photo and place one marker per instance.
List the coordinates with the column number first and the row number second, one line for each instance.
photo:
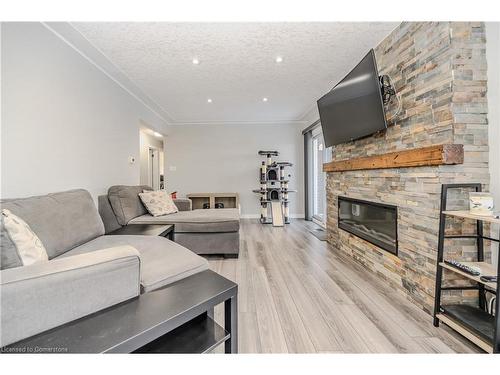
column 209, row 100
column 196, row 61
column 279, row 59
column 156, row 134
column 264, row 99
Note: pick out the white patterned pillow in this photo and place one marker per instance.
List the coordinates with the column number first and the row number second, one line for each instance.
column 158, row 202
column 28, row 245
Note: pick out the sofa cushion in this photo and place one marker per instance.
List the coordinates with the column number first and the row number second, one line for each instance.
column 162, row 261
column 197, row 221
column 62, row 220
column 126, row 203
column 9, row 257
column 107, row 214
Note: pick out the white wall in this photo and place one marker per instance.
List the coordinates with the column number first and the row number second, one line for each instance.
column 65, row 124
column 223, row 158
column 493, row 59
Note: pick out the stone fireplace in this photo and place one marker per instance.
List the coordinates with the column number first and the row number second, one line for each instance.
column 439, row 71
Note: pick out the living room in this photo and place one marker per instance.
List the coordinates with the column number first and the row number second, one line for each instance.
column 203, row 186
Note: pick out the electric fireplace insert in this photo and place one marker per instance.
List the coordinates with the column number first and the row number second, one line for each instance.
column 374, row 222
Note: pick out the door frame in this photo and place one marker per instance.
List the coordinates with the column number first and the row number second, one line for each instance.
column 317, row 135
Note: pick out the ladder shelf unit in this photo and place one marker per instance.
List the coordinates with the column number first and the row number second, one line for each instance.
column 476, row 323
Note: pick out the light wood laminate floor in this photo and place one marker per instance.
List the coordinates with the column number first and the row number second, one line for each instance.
column 297, row 296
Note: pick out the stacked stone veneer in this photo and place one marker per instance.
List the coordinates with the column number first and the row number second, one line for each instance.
column 439, row 71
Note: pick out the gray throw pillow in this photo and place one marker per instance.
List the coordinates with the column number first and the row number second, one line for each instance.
column 126, row 203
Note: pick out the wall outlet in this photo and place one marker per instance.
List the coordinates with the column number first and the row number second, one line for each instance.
column 172, row 168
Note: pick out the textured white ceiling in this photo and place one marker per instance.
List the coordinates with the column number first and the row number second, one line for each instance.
column 237, row 64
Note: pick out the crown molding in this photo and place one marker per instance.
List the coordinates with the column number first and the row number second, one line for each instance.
column 308, row 110
column 236, row 122
column 78, row 42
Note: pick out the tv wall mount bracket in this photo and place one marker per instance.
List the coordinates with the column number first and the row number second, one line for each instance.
column 386, row 88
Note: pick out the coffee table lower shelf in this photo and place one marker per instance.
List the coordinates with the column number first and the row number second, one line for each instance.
column 200, row 335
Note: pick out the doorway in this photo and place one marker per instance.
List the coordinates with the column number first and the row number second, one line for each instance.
column 151, row 159
column 154, row 168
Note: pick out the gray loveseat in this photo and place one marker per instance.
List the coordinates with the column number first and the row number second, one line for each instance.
column 209, row 231
column 87, row 271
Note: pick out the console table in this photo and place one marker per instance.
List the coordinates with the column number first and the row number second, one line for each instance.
column 229, row 200
column 177, row 318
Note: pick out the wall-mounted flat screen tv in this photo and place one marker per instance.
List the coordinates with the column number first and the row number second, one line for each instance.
column 354, row 108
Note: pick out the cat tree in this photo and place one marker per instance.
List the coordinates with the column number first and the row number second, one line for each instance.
column 274, row 191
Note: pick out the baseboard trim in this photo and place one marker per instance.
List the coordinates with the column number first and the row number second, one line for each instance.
column 257, row 216
column 249, row 216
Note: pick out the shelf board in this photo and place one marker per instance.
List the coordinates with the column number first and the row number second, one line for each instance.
column 468, row 215
column 471, row 322
column 487, row 269
column 200, row 335
column 418, row 157
column 209, row 195
column 225, row 195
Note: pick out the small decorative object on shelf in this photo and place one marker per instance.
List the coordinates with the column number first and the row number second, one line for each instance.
column 481, row 204
column 274, row 190
column 480, row 324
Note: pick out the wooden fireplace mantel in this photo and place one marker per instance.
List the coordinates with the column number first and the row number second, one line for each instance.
column 418, row 157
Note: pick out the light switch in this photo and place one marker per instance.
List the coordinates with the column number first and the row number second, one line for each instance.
column 172, row 168
column 131, row 159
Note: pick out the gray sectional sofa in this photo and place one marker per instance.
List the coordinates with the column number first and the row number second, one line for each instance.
column 87, row 270
column 204, row 231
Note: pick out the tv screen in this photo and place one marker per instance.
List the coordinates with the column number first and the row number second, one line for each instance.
column 354, row 108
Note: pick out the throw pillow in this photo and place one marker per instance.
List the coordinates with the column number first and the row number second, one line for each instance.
column 158, row 202
column 28, row 245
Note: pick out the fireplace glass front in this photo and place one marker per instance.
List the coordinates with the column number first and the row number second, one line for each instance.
column 374, row 222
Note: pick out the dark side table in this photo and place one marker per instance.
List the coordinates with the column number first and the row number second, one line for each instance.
column 163, row 230
column 177, row 318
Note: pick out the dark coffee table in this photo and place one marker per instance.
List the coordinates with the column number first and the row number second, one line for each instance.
column 177, row 318
column 164, row 230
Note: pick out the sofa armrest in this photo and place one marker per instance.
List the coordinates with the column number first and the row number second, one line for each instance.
column 183, row 204
column 42, row 296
